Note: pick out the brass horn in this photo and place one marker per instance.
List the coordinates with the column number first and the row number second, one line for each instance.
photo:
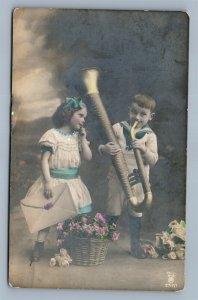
column 90, row 79
column 148, row 197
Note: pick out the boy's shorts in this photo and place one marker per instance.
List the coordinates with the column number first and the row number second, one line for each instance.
column 116, row 200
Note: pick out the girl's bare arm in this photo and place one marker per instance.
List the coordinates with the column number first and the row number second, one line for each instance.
column 86, row 151
column 46, row 174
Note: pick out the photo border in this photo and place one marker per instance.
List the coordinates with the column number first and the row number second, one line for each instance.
column 191, row 269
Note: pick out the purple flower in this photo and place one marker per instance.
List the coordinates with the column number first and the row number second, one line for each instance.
column 48, row 205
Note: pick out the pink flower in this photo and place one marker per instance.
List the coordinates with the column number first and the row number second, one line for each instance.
column 65, row 263
column 99, row 217
column 105, row 229
column 60, row 226
column 63, row 252
column 89, row 232
column 52, row 262
column 102, row 230
column 115, row 236
column 84, row 220
column 59, row 242
column 75, row 226
column 96, row 227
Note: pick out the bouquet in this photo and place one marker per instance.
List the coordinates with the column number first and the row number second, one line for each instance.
column 85, row 226
column 169, row 244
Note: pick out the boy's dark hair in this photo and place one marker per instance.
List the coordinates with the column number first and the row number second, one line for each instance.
column 62, row 116
column 144, row 101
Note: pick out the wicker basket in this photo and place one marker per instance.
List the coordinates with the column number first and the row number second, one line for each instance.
column 87, row 251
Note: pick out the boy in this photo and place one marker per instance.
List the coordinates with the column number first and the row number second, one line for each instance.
column 142, row 111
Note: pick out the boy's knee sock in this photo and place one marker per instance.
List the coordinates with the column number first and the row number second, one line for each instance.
column 112, row 219
column 134, row 231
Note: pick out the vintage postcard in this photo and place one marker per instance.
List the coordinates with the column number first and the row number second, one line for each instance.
column 98, row 149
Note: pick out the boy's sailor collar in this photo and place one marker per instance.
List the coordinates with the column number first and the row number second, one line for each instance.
column 143, row 130
column 126, row 131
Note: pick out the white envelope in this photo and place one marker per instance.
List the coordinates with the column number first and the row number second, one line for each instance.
column 38, row 217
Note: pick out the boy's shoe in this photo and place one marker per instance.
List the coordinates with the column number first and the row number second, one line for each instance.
column 37, row 251
column 138, row 253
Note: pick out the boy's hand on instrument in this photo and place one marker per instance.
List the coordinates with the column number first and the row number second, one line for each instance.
column 139, row 144
column 111, row 148
column 48, row 190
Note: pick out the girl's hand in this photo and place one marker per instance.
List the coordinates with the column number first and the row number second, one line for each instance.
column 48, row 190
column 82, row 133
column 85, row 149
column 110, row 148
column 139, row 144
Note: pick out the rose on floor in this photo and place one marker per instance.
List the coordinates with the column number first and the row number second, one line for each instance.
column 61, row 259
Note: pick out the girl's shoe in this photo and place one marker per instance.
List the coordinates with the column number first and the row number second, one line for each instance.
column 37, row 251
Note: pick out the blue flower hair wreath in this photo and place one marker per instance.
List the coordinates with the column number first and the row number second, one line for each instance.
column 73, row 103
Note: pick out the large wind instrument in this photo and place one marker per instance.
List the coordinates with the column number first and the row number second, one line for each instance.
column 148, row 197
column 90, row 80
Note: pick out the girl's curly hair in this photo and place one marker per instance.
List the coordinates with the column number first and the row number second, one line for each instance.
column 63, row 116
column 65, row 111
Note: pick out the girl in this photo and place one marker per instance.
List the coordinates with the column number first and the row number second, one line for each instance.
column 61, row 147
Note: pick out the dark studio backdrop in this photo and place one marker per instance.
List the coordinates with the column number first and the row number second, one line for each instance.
column 137, row 52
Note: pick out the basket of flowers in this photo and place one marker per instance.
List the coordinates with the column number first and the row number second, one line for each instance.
column 86, row 238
